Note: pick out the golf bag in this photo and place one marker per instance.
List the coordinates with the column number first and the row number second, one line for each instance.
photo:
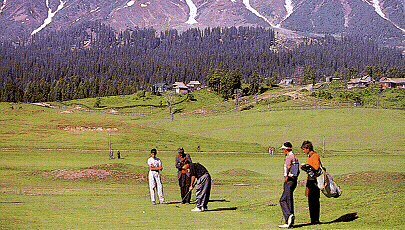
column 311, row 171
column 328, row 186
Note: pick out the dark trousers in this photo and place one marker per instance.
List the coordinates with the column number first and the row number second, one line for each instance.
column 203, row 191
column 314, row 203
column 184, row 183
column 287, row 199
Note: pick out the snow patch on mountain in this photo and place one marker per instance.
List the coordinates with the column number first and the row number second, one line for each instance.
column 288, row 7
column 376, row 5
column 347, row 11
column 3, row 6
column 51, row 14
column 378, row 10
column 130, row 3
column 193, row 12
column 97, row 9
column 146, row 4
column 250, row 8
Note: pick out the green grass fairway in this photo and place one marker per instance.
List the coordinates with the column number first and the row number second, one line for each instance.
column 55, row 171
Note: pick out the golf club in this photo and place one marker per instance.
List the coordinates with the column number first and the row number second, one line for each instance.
column 178, row 206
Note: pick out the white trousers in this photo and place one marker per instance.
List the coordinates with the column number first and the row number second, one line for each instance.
column 155, row 183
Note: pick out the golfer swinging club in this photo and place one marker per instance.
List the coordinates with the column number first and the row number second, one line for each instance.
column 200, row 177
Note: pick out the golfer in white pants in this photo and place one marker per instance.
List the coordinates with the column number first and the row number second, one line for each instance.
column 155, row 182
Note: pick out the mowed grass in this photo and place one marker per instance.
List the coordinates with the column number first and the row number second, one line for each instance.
column 364, row 154
column 338, row 130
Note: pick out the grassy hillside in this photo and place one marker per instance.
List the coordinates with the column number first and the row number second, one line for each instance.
column 55, row 171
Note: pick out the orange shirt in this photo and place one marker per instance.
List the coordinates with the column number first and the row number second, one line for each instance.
column 314, row 161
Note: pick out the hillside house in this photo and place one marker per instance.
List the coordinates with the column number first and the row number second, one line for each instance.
column 180, row 88
column 287, row 82
column 390, row 83
column 332, row 79
column 361, row 82
column 162, row 87
column 194, row 85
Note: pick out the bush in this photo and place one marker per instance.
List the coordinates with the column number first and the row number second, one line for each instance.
column 140, row 94
column 263, row 88
column 276, row 100
column 322, row 94
column 247, row 107
column 97, row 103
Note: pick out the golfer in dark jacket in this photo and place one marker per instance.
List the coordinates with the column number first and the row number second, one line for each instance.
column 183, row 176
column 200, row 177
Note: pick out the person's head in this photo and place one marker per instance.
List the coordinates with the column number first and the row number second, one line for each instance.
column 180, row 151
column 287, row 147
column 307, row 147
column 153, row 152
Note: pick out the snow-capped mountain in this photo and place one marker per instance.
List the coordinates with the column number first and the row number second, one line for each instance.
column 381, row 18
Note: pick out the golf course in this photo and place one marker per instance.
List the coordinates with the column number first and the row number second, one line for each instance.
column 56, row 171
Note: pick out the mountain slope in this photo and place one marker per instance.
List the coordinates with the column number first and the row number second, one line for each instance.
column 380, row 18
column 355, row 17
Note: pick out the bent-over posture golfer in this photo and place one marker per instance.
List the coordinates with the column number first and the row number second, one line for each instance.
column 291, row 172
column 200, row 177
column 155, row 182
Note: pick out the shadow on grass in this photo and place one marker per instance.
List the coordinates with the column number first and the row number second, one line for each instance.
column 11, row 202
column 345, row 218
column 178, row 202
column 209, row 210
column 223, row 200
column 221, row 209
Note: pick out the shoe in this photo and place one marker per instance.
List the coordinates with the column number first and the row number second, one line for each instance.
column 196, row 209
column 204, row 209
column 153, row 202
column 284, row 226
column 163, row 202
column 290, row 221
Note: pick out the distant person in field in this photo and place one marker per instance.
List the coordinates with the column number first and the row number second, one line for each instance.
column 184, row 176
column 291, row 172
column 201, row 178
column 155, row 182
column 312, row 190
column 271, row 151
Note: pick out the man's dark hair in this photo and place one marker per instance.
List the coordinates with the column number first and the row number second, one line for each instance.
column 307, row 145
column 153, row 151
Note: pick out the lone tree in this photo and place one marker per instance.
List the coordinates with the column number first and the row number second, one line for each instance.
column 309, row 75
column 97, row 103
column 224, row 82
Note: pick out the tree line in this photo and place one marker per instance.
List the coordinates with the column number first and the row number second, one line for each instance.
column 92, row 60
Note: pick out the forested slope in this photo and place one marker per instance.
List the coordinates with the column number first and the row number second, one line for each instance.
column 92, row 60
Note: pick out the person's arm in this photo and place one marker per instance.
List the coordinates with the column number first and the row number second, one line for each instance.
column 179, row 164
column 193, row 182
column 157, row 168
column 151, row 167
column 288, row 163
